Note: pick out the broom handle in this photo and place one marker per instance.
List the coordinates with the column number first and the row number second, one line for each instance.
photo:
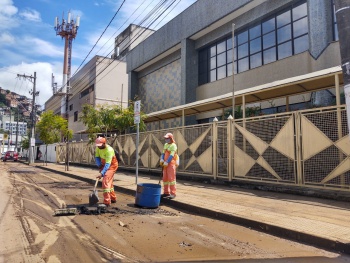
column 96, row 184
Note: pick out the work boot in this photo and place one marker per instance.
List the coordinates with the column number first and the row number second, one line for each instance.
column 165, row 195
column 172, row 196
column 113, row 201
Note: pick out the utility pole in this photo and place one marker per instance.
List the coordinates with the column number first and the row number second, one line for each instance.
column 10, row 133
column 17, row 129
column 67, row 30
column 32, row 133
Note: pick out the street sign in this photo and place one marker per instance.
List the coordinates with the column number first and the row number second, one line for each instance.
column 137, row 107
column 32, row 141
column 136, row 119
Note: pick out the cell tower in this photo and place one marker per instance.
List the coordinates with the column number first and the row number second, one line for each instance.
column 67, row 30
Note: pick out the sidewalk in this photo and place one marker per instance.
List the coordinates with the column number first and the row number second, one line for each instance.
column 319, row 222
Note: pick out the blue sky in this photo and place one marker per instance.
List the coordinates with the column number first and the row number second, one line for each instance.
column 28, row 41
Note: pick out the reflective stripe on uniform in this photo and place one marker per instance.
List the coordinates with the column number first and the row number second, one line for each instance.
column 108, row 190
column 169, row 183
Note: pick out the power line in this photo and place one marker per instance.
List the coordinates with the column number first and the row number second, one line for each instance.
column 153, row 12
column 150, row 14
column 100, row 36
column 156, row 7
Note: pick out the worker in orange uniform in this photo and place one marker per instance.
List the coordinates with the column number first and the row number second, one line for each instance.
column 107, row 163
column 169, row 160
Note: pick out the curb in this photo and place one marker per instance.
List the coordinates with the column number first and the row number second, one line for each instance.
column 293, row 235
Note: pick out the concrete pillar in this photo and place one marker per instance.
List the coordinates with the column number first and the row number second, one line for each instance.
column 320, row 25
column 189, row 75
column 133, row 84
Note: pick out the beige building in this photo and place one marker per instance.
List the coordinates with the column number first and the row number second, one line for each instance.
column 128, row 39
column 101, row 81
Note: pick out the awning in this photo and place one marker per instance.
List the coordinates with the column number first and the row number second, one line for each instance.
column 317, row 80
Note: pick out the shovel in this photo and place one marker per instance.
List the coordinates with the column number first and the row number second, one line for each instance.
column 93, row 197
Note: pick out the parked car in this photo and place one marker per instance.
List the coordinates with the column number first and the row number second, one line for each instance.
column 11, row 155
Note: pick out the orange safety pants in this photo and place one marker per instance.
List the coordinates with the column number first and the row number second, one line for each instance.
column 169, row 179
column 108, row 187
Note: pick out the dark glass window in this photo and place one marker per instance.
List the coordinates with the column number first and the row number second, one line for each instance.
column 86, row 91
column 269, row 25
column 285, row 50
column 300, row 27
column 283, row 19
column 255, row 32
column 75, row 116
column 215, row 61
column 269, row 40
column 255, row 60
column 301, row 44
column 284, row 34
column 299, row 11
column 255, row 45
column 279, row 36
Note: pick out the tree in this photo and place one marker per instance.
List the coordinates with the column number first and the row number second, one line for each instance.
column 25, row 143
column 53, row 128
column 2, row 99
column 125, row 120
column 108, row 119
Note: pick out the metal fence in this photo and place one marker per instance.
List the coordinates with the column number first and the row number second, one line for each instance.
column 309, row 148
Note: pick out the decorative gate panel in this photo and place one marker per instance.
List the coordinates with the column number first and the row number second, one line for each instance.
column 265, row 149
column 326, row 148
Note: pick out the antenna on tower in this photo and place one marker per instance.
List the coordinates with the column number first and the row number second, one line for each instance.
column 53, row 85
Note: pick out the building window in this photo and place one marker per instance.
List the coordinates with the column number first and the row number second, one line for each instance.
column 282, row 35
column 279, row 36
column 75, row 116
column 215, row 62
column 86, row 91
column 71, row 107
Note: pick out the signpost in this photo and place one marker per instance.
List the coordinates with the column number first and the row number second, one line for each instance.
column 137, row 109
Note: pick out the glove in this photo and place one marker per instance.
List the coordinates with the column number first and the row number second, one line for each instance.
column 161, row 162
column 165, row 164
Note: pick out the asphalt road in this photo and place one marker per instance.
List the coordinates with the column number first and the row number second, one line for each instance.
column 125, row 233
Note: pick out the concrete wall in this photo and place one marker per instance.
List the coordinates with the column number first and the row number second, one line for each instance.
column 200, row 15
column 112, row 84
column 161, row 88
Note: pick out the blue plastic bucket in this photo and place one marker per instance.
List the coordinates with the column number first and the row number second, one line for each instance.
column 148, row 195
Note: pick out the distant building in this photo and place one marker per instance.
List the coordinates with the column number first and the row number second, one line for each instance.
column 129, row 39
column 102, row 81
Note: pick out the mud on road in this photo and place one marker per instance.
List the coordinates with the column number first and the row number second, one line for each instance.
column 125, row 233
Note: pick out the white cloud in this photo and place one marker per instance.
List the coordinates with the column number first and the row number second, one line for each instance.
column 6, row 39
column 42, row 47
column 30, row 14
column 7, row 14
column 7, row 8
